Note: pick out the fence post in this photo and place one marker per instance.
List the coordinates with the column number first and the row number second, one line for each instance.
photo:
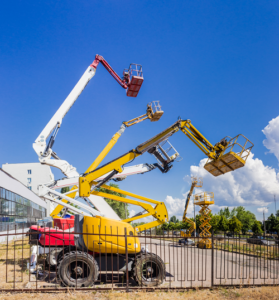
column 126, row 252
column 212, row 259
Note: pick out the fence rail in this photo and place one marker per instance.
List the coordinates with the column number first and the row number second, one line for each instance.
column 46, row 261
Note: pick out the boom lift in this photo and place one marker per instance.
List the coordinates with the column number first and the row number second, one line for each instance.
column 153, row 113
column 196, row 182
column 131, row 81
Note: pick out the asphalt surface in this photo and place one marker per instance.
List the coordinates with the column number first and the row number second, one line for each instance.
column 189, row 266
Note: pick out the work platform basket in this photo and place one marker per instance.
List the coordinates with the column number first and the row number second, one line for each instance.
column 204, row 198
column 234, row 156
column 136, row 79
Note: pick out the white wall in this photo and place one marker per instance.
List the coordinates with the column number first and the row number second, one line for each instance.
column 39, row 174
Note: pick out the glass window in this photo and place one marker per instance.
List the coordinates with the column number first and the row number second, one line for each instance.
column 17, row 210
column 29, row 180
column 29, row 171
column 5, row 207
column 12, row 208
column 8, row 195
column 30, row 188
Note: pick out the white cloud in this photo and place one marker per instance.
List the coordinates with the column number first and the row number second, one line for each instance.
column 262, row 209
column 254, row 184
column 131, row 213
column 176, row 206
column 271, row 132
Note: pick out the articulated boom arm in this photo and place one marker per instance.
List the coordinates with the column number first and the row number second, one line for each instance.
column 199, row 140
column 132, row 78
column 159, row 212
column 99, row 59
column 196, row 182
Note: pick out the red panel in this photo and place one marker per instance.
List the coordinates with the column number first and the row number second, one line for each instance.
column 134, row 86
column 64, row 223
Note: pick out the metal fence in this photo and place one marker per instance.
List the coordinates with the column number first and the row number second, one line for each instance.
column 163, row 260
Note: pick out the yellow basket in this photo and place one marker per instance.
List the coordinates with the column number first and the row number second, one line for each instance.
column 204, row 198
column 231, row 160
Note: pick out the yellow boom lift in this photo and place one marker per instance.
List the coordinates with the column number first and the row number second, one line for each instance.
column 107, row 236
column 196, row 182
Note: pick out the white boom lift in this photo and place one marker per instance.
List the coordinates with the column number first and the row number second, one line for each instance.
column 132, row 81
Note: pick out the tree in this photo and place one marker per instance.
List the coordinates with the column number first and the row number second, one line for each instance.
column 246, row 218
column 257, row 227
column 234, row 224
column 137, row 224
column 118, row 207
column 171, row 226
column 214, row 222
column 165, row 226
column 270, row 223
column 223, row 224
column 276, row 227
column 227, row 213
column 65, row 190
column 174, row 219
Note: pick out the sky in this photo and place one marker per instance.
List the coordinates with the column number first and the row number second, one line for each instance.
column 213, row 62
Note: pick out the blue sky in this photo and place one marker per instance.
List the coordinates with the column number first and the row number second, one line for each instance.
column 214, row 62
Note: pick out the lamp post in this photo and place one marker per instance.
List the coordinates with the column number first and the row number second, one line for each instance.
column 195, row 220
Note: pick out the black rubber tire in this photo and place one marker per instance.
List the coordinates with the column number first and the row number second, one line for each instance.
column 77, row 269
column 66, row 250
column 157, row 270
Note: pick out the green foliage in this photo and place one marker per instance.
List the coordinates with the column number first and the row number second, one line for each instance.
column 276, row 227
column 246, row 218
column 227, row 213
column 137, row 224
column 118, row 207
column 173, row 219
column 257, row 227
column 65, row 190
column 270, row 223
column 234, row 224
column 214, row 222
column 223, row 223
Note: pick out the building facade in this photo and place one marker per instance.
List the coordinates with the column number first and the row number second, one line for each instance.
column 30, row 174
column 19, row 206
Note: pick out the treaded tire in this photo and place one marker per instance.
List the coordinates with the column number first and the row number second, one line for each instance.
column 77, row 269
column 149, row 270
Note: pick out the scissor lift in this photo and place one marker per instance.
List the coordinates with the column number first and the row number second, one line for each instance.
column 204, row 199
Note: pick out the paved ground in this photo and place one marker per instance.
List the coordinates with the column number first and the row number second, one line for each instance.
column 190, row 266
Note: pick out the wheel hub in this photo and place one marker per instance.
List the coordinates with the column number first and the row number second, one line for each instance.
column 149, row 270
column 78, row 270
